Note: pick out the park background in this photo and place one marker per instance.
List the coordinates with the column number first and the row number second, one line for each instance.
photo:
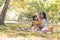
column 16, row 13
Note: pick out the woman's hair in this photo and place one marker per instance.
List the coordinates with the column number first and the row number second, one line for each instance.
column 34, row 17
column 43, row 14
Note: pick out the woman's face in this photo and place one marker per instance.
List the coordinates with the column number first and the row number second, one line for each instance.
column 41, row 15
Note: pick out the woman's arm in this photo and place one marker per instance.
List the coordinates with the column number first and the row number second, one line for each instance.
column 43, row 23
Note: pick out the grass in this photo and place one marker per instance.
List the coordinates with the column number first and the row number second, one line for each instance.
column 14, row 30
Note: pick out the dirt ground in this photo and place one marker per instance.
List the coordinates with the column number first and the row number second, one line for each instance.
column 22, row 38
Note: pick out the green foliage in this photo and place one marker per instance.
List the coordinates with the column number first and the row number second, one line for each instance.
column 29, row 15
column 29, row 7
column 36, row 6
column 1, row 2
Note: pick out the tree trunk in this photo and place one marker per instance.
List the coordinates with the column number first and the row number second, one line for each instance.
column 4, row 10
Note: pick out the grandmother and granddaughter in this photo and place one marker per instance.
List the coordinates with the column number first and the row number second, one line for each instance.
column 38, row 23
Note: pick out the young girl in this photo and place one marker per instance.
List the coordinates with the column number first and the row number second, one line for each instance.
column 35, row 24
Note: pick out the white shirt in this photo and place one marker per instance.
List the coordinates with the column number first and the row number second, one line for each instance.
column 43, row 23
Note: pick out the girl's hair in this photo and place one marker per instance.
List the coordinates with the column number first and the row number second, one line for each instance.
column 34, row 17
column 43, row 14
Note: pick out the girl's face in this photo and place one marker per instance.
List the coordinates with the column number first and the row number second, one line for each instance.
column 35, row 18
column 41, row 15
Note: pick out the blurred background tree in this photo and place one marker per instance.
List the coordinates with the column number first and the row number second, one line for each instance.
column 4, row 10
column 21, row 9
